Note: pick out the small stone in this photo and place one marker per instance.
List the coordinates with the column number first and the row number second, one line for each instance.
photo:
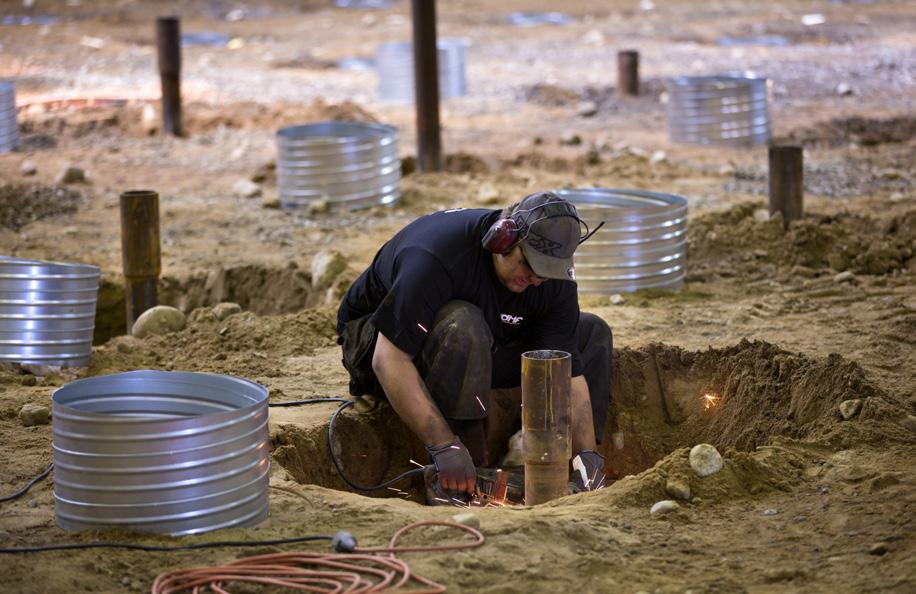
column 319, row 206
column 326, row 266
column 844, row 277
column 41, row 370
column 844, row 89
column 244, row 188
column 467, row 519
column 761, row 215
column 665, row 506
column 678, row 489
column 770, row 512
column 658, row 157
column 705, row 459
column 28, row 168
column 125, row 581
column 487, row 194
column 270, row 200
column 149, row 120
column 158, row 320
column 29, row 380
column 570, row 139
column 616, row 299
column 72, row 175
column 909, row 423
column 587, row 109
column 878, row 549
column 593, row 37
column 729, row 170
column 761, row 253
column 201, row 315
column 34, row 414
column 223, row 310
column 31, row 503
column 850, row 408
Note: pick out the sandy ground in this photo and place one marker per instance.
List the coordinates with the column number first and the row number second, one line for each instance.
column 807, row 502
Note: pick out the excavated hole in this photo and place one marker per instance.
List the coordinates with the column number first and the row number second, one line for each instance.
column 665, row 399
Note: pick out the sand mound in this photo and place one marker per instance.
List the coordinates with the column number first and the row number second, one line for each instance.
column 21, row 204
column 860, row 244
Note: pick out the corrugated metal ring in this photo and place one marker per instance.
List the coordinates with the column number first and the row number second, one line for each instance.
column 642, row 245
column 158, row 451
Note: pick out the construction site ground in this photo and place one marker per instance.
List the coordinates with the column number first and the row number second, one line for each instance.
column 779, row 326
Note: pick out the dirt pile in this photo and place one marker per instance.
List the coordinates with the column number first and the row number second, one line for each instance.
column 744, row 236
column 859, row 130
column 143, row 119
column 21, row 204
column 243, row 344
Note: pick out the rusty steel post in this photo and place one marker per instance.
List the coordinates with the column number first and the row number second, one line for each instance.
column 628, row 72
column 786, row 182
column 426, row 84
column 546, row 383
column 140, row 253
column 168, row 40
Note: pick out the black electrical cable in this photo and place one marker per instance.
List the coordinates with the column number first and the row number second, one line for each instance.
column 31, row 483
column 403, row 475
column 152, row 548
column 309, row 401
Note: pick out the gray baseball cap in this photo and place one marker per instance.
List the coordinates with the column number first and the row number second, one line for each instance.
column 551, row 234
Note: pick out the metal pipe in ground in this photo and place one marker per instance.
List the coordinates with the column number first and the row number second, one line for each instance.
column 546, row 382
column 786, row 182
column 168, row 41
column 628, row 72
column 140, row 251
column 426, row 81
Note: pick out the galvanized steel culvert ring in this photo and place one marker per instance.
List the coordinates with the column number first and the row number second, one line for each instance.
column 718, row 110
column 47, row 312
column 350, row 165
column 395, row 68
column 158, row 451
column 642, row 245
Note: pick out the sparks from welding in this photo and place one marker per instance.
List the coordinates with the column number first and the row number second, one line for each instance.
column 412, row 461
column 710, row 401
column 480, row 402
column 422, row 327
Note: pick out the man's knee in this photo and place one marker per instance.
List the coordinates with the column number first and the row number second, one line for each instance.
column 455, row 362
column 461, row 327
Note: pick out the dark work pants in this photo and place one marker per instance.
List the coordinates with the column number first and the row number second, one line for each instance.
column 460, row 363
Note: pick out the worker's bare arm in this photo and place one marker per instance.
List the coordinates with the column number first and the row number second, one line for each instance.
column 583, row 428
column 407, row 393
column 411, row 400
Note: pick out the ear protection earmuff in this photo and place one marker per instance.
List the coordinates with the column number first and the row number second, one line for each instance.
column 505, row 234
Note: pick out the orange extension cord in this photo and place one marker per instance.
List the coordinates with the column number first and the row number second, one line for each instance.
column 365, row 571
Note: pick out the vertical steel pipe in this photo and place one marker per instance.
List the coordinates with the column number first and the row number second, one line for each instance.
column 168, row 40
column 546, row 382
column 786, row 182
column 140, row 253
column 628, row 72
column 426, row 79
column 9, row 126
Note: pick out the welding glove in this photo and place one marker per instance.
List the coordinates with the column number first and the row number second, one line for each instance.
column 588, row 471
column 455, row 466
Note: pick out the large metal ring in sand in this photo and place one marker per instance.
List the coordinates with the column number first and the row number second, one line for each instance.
column 159, row 451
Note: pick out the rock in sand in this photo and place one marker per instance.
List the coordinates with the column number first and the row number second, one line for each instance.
column 705, row 459
column 850, row 408
column 34, row 414
column 223, row 310
column 158, row 320
column 664, row 507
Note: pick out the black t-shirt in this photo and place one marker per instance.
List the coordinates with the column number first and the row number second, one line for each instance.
column 439, row 258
